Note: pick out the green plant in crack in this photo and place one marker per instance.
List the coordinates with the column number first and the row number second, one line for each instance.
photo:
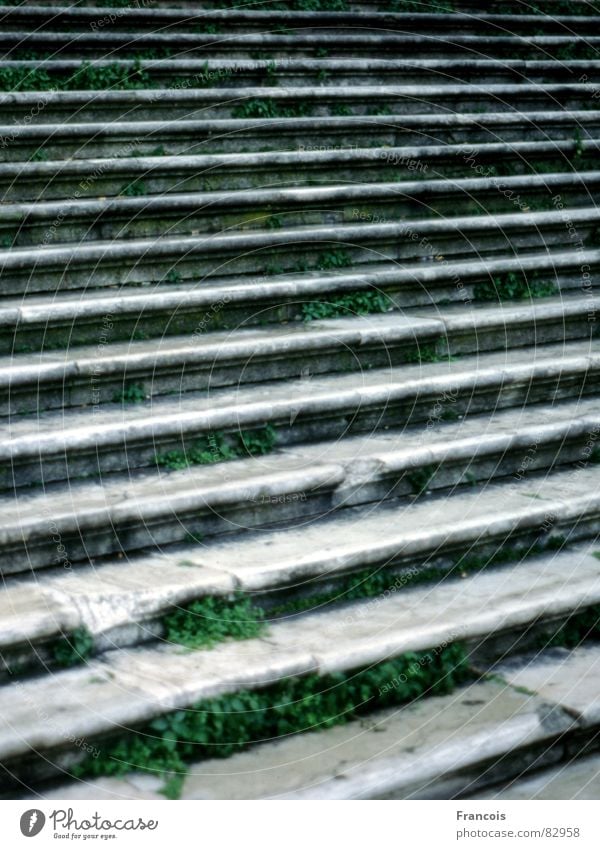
column 339, row 306
column 513, row 286
column 133, row 393
column 269, row 108
column 207, row 621
column 72, row 649
column 220, row 726
column 420, row 479
column 135, row 189
column 579, row 627
column 330, row 260
column 218, row 447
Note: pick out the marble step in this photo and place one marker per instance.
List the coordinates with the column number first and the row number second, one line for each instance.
column 439, row 748
column 128, row 687
column 199, row 213
column 54, row 446
column 77, row 318
column 137, row 370
column 231, row 102
column 118, row 139
column 526, row 501
column 292, row 70
column 87, row 178
column 363, row 241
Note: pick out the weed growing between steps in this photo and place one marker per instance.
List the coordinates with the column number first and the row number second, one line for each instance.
column 87, row 77
column 341, row 306
column 220, row 726
column 218, row 447
column 131, row 394
column 578, row 628
column 514, row 287
column 269, row 108
column 208, row 621
column 72, row 649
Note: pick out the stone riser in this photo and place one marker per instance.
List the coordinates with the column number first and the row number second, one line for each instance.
column 313, row 72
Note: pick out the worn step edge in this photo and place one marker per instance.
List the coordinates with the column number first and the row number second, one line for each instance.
column 114, row 594
column 129, row 687
column 437, row 748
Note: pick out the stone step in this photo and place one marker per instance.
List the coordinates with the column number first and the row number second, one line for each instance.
column 96, row 522
column 123, row 138
column 293, row 71
column 87, row 178
column 249, row 18
column 419, row 43
column 202, row 212
column 54, row 446
column 368, row 245
column 97, row 318
column 137, row 370
column 129, row 687
column 286, row 102
column 439, row 748
column 574, row 778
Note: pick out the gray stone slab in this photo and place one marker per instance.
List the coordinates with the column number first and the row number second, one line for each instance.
column 403, row 753
column 569, row 679
column 125, row 687
column 574, row 779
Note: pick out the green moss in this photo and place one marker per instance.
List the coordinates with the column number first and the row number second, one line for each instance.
column 512, row 287
column 354, row 303
column 210, row 620
column 220, row 726
column 581, row 626
column 269, row 108
column 133, row 393
column 218, row 447
column 72, row 649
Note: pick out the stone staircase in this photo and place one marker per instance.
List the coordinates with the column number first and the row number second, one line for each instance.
column 299, row 429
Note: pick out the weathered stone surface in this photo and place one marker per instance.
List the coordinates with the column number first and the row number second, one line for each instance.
column 403, row 753
column 576, row 779
column 569, row 679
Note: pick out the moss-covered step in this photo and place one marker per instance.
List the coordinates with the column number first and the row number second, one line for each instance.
column 436, row 748
column 111, row 73
column 55, row 446
column 128, row 689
